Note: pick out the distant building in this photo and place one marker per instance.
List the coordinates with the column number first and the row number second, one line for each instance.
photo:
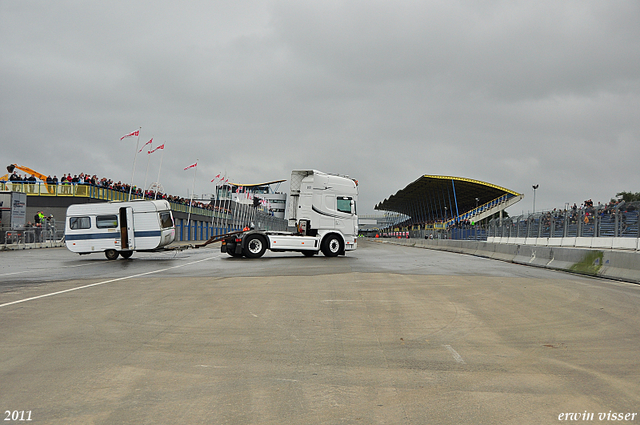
column 265, row 196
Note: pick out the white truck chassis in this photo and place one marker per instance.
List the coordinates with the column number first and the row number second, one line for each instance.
column 322, row 208
column 254, row 243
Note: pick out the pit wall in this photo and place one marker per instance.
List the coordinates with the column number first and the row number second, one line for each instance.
column 607, row 263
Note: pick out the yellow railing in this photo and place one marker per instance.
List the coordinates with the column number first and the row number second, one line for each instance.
column 94, row 192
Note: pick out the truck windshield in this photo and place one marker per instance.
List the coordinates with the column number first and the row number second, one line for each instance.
column 344, row 204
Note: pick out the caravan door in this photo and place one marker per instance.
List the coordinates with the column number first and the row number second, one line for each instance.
column 127, row 241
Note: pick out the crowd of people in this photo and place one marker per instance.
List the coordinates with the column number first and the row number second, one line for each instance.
column 106, row 183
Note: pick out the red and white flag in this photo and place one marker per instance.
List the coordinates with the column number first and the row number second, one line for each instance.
column 159, row 147
column 215, row 178
column 195, row 164
column 133, row 133
column 150, row 142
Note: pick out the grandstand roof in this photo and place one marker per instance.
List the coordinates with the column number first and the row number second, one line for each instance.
column 256, row 184
column 432, row 198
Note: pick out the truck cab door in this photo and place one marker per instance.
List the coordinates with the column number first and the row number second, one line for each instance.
column 127, row 240
column 346, row 205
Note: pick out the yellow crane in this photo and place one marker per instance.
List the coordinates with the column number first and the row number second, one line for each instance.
column 12, row 167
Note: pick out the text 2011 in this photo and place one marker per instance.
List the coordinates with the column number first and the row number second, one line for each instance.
column 17, row 415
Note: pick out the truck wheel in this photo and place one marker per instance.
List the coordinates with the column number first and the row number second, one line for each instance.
column 126, row 254
column 255, row 246
column 331, row 246
column 111, row 254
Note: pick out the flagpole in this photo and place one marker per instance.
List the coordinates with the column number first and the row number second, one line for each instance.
column 158, row 181
column 226, row 200
column 227, row 203
column 134, row 162
column 213, row 210
column 144, row 188
column 192, row 189
column 216, row 204
column 236, row 209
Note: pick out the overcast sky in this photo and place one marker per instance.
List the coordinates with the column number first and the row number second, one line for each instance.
column 514, row 93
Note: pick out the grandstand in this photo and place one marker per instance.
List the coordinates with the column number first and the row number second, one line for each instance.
column 445, row 201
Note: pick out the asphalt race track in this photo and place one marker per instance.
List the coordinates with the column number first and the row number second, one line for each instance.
column 385, row 335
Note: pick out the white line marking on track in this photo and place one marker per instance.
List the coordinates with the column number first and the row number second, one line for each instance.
column 455, row 354
column 103, row 282
column 43, row 269
column 12, row 273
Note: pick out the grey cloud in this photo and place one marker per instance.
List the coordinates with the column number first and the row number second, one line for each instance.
column 514, row 93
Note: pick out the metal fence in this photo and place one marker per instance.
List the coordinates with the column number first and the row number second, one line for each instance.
column 33, row 237
column 228, row 215
column 460, row 232
column 618, row 222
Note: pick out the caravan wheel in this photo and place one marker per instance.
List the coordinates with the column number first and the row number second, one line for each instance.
column 126, row 254
column 111, row 254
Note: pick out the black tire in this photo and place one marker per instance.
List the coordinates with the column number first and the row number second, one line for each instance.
column 331, row 246
column 126, row 254
column 309, row 253
column 111, row 254
column 254, row 246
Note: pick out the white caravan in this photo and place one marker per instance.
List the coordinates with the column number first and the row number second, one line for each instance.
column 322, row 208
column 119, row 228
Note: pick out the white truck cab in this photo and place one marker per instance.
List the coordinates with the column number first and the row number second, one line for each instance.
column 322, row 209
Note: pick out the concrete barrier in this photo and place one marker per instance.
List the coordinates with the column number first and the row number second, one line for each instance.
column 609, row 263
column 577, row 260
column 533, row 255
column 621, row 265
column 503, row 252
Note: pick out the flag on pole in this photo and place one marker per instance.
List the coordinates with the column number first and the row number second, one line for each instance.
column 159, row 147
column 195, row 164
column 133, row 133
column 215, row 178
column 149, row 142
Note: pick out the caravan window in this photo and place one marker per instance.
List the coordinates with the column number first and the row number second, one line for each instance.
column 78, row 223
column 344, row 204
column 165, row 219
column 106, row 221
